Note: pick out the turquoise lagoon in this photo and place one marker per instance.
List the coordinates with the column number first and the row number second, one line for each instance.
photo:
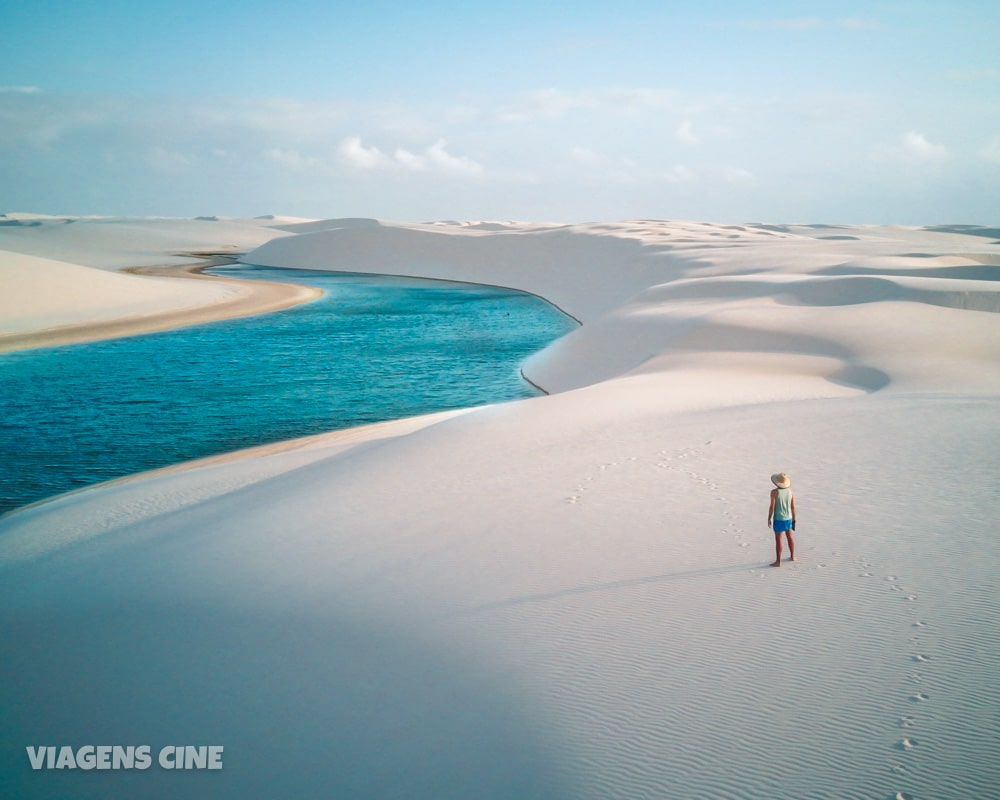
column 372, row 348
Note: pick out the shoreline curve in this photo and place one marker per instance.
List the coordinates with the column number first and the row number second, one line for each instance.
column 253, row 297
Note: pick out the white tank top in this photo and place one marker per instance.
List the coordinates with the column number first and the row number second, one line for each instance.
column 783, row 505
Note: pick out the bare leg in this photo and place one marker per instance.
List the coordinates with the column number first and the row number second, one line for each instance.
column 791, row 545
column 777, row 550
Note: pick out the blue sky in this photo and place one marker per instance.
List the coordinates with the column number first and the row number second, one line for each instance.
column 723, row 111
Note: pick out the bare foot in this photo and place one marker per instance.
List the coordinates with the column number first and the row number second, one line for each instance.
column 792, row 558
column 776, row 564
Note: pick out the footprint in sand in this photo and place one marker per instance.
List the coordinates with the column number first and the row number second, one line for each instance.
column 906, row 744
column 919, row 624
column 906, row 722
column 920, row 697
column 910, row 597
column 921, row 659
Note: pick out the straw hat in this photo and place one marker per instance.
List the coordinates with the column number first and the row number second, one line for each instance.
column 781, row 480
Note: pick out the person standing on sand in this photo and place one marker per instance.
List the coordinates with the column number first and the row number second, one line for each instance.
column 782, row 511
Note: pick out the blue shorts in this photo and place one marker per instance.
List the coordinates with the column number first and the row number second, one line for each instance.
column 782, row 525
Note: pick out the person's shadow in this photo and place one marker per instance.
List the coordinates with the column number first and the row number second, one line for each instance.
column 609, row 586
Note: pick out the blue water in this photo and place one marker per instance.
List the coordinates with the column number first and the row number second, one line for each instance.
column 372, row 348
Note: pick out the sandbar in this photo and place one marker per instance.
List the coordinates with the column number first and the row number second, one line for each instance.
column 250, row 297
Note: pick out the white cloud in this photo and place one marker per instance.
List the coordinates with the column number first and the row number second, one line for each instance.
column 685, row 133
column 410, row 160
column 915, row 147
column 440, row 157
column 434, row 158
column 407, row 158
column 355, row 154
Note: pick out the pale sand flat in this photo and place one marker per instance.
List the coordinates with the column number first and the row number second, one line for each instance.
column 71, row 279
column 244, row 298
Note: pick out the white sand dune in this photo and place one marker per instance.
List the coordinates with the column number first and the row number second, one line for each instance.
column 568, row 596
column 40, row 293
column 62, row 279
